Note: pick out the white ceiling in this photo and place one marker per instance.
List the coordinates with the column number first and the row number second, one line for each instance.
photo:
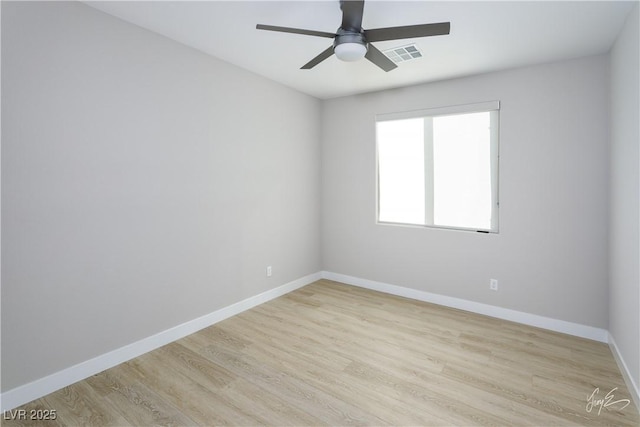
column 485, row 36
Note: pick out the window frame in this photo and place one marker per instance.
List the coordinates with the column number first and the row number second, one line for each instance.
column 493, row 107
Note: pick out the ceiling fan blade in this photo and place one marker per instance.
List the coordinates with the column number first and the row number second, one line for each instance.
column 318, row 59
column 379, row 58
column 352, row 14
column 407, row 32
column 295, row 31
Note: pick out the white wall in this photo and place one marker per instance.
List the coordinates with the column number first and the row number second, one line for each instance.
column 144, row 184
column 551, row 254
column 624, row 291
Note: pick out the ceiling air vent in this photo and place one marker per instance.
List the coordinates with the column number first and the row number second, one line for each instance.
column 403, row 53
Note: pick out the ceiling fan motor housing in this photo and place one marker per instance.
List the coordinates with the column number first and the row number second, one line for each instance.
column 349, row 45
column 345, row 36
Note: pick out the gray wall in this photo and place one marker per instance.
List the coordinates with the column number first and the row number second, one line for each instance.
column 144, row 184
column 624, row 292
column 551, row 254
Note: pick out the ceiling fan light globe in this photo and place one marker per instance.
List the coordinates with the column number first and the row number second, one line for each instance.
column 350, row 51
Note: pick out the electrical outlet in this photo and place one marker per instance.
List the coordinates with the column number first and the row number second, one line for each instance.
column 493, row 284
column 269, row 271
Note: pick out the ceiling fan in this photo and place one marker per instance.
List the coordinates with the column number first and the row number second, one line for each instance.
column 352, row 43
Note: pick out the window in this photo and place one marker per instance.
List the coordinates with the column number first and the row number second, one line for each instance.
column 439, row 167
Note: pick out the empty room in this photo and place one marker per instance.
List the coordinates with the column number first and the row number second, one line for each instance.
column 304, row 213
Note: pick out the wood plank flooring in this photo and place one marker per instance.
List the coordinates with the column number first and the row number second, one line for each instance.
column 332, row 354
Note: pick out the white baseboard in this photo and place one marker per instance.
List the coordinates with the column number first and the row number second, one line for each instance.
column 634, row 391
column 43, row 386
column 556, row 325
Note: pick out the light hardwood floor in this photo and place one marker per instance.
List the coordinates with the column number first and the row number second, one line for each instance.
column 332, row 354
